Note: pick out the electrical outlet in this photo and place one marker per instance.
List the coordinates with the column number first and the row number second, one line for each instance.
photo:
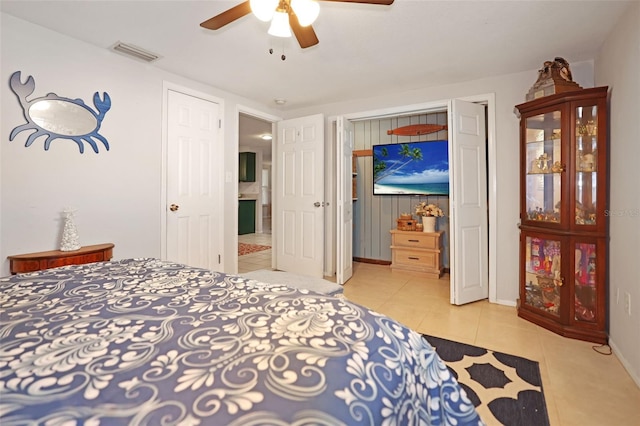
column 627, row 303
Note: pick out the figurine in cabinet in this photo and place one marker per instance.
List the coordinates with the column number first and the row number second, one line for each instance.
column 587, row 163
column 540, row 164
column 557, row 167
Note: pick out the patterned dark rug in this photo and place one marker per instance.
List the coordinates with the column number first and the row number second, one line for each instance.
column 244, row 248
column 505, row 389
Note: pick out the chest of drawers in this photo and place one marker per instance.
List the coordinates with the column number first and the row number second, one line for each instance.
column 417, row 251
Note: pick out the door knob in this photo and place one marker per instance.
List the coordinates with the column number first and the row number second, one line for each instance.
column 174, row 207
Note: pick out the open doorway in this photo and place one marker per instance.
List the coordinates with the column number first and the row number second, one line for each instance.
column 488, row 102
column 295, row 241
column 254, row 193
column 375, row 214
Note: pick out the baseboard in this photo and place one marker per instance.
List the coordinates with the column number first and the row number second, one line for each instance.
column 374, row 261
column 511, row 303
column 624, row 362
column 385, row 262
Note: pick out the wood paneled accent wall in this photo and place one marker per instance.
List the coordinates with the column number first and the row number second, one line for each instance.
column 375, row 216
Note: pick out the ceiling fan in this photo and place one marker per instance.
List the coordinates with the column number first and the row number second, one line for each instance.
column 285, row 16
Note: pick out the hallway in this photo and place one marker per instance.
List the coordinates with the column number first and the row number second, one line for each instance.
column 260, row 259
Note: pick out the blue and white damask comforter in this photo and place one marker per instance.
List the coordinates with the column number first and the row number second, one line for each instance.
column 143, row 341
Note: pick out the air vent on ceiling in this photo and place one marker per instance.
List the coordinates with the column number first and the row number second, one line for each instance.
column 134, row 51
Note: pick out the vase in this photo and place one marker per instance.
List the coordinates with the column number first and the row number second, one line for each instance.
column 429, row 224
column 69, row 233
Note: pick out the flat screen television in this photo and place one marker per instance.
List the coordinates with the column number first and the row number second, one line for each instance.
column 412, row 168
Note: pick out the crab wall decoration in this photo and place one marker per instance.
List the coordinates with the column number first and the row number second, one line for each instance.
column 59, row 118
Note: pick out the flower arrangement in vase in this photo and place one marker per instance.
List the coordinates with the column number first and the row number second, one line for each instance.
column 424, row 209
column 429, row 213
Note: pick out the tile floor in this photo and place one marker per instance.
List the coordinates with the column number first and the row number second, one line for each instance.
column 581, row 386
column 258, row 260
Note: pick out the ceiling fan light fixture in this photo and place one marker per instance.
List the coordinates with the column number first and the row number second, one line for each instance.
column 306, row 10
column 263, row 9
column 280, row 25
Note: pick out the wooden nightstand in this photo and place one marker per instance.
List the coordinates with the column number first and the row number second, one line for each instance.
column 417, row 251
column 52, row 259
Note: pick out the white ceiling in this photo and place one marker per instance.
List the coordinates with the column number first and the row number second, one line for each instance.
column 363, row 48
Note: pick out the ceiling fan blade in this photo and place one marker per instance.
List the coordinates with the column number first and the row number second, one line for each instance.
column 306, row 35
column 227, row 16
column 381, row 2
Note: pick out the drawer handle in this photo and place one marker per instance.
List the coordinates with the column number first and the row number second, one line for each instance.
column 414, row 241
column 414, row 258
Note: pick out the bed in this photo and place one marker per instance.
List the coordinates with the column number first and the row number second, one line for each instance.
column 151, row 342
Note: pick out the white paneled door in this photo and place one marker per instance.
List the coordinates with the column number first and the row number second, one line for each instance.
column 344, row 201
column 194, row 181
column 468, row 189
column 299, row 203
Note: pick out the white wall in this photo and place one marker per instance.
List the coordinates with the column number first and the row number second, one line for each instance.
column 509, row 90
column 117, row 193
column 618, row 66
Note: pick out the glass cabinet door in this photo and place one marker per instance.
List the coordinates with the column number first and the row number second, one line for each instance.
column 543, row 274
column 543, row 167
column 586, row 148
column 586, row 279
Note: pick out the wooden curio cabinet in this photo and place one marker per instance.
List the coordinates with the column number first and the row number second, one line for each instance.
column 563, row 206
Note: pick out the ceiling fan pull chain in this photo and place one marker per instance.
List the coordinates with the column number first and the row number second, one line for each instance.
column 283, row 56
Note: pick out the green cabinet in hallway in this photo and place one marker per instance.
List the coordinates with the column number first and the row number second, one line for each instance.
column 247, row 167
column 246, row 217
